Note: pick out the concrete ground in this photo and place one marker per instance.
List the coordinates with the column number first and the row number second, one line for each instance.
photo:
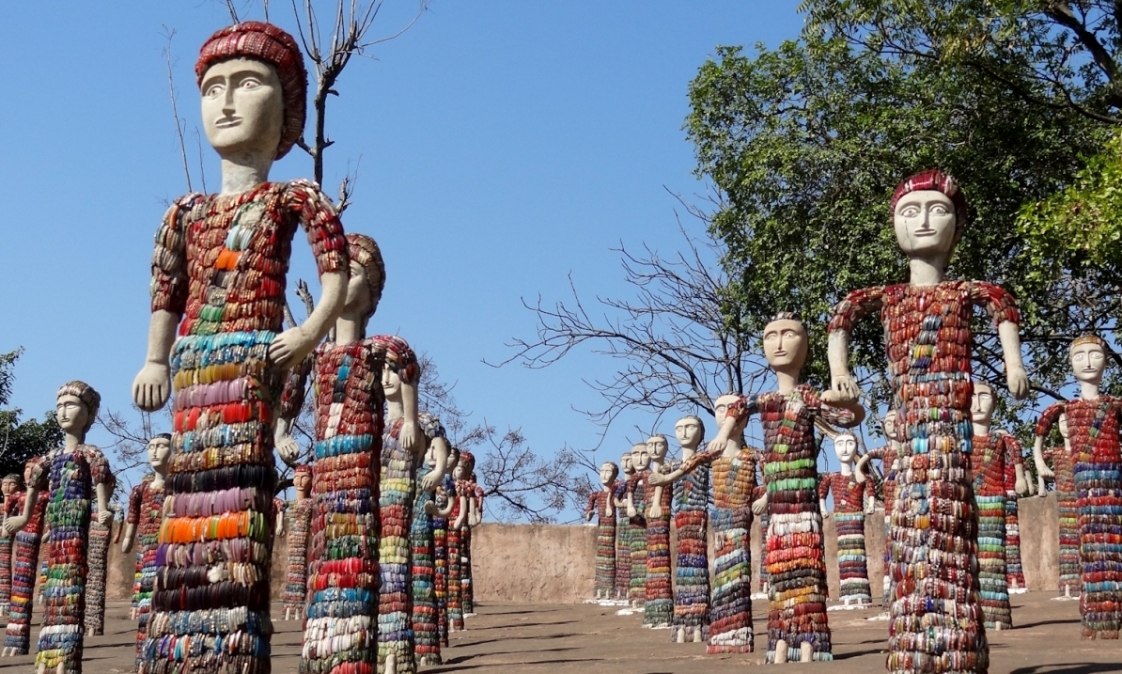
column 516, row 638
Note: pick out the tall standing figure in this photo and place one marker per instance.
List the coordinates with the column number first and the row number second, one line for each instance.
column 1093, row 425
column 69, row 479
column 294, row 597
column 636, row 498
column 797, row 625
column 658, row 600
column 889, row 457
column 142, row 525
column 623, row 530
column 426, row 633
column 441, row 507
column 1067, row 503
column 467, row 488
column 14, row 495
column 25, row 570
column 852, row 500
column 218, row 282
column 601, row 507
column 733, row 472
column 691, row 521
column 936, row 614
column 98, row 562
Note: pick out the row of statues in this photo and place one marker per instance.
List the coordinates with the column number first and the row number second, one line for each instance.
column 951, row 481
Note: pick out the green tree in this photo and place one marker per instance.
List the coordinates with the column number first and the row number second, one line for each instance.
column 21, row 440
column 806, row 142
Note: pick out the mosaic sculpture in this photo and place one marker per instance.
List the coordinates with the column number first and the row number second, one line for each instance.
column 98, row 562
column 993, row 451
column 1093, row 425
column 658, row 600
column 1014, row 569
column 691, row 522
column 466, row 488
column 733, row 473
column 441, row 508
column 295, row 595
column 1062, row 469
column 759, row 494
column 936, row 614
column 636, row 499
column 69, row 479
column 25, row 570
column 852, row 500
column 601, row 507
column 426, row 633
column 797, row 626
column 142, row 525
column 456, row 519
column 218, row 283
column 624, row 531
column 889, row 458
column 14, row 495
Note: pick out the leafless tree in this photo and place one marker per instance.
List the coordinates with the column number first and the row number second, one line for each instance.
column 678, row 344
column 131, row 433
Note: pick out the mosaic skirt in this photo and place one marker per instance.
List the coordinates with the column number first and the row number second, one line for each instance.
column 992, row 572
column 853, row 568
column 730, row 616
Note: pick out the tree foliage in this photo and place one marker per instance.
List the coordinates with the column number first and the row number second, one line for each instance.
column 21, row 440
column 806, row 142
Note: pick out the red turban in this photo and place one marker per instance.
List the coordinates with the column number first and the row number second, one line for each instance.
column 933, row 179
column 265, row 42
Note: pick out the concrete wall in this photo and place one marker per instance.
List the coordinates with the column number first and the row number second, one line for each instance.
column 556, row 563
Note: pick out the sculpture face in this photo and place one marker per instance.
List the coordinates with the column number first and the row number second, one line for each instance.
column 72, row 414
column 925, row 223
column 626, row 465
column 391, row 381
column 890, row 425
column 1063, row 426
column 640, row 457
column 358, row 300
column 688, row 432
column 785, row 344
column 607, row 474
column 981, row 407
column 159, row 449
column 657, row 448
column 1088, row 362
column 8, row 487
column 27, row 474
column 721, row 406
column 242, row 106
column 458, row 472
column 845, row 448
column 302, row 482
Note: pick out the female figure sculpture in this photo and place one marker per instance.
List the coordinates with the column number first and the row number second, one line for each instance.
column 467, row 489
column 426, row 633
column 636, row 499
column 94, row 622
column 220, row 265
column 142, row 524
column 1063, row 470
column 624, row 531
column 441, row 508
column 14, row 494
column 734, row 477
column 935, row 611
column 852, row 500
column 294, row 598
column 888, row 456
column 691, row 520
column 69, row 478
column 658, row 601
column 993, row 451
column 600, row 505
column 17, row 633
column 1093, row 424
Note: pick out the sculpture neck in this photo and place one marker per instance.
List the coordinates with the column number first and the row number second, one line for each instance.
column 981, row 428
column 655, row 465
column 788, row 379
column 244, row 172
column 926, row 272
column 688, row 452
column 72, row 441
column 395, row 409
column 158, row 478
column 349, row 329
column 606, row 488
column 847, row 468
column 1089, row 390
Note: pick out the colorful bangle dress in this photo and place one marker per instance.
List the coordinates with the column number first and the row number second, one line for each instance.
column 987, row 464
column 220, row 264
column 1014, row 570
column 17, row 634
column 67, row 480
column 623, row 547
column 1093, row 427
column 758, row 492
column 605, row 542
column 444, row 493
column 691, row 522
column 936, row 613
column 1067, row 503
column 426, row 633
column 467, row 586
column 13, row 507
column 849, row 520
column 658, row 604
column 888, row 458
column 395, row 608
column 99, row 535
column 294, row 597
column 146, row 512
column 637, row 487
column 455, row 596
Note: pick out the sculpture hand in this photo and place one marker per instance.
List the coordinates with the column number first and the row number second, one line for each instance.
column 14, row 524
column 1018, row 382
column 870, row 508
column 654, row 511
column 1022, row 486
column 1044, row 471
column 152, row 386
column 410, row 436
column 759, row 507
column 631, row 512
column 288, row 449
column 104, row 517
column 843, row 389
column 859, row 470
column 656, row 479
column 1041, row 488
column 430, row 508
column 429, row 482
column 126, row 544
column 290, row 347
column 716, row 446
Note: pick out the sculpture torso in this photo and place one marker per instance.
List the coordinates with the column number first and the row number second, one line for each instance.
column 348, row 394
column 991, row 455
column 849, row 495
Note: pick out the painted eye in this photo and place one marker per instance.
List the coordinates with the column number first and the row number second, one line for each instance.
column 214, row 90
column 909, row 211
column 250, row 83
column 939, row 209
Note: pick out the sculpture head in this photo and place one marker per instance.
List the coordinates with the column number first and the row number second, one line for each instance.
column 721, row 406
column 453, row 459
column 608, row 473
column 1063, row 426
column 11, row 483
column 27, row 472
column 465, row 466
column 890, row 425
column 368, row 277
column 159, row 451
column 657, row 447
column 845, row 448
column 640, row 456
column 785, row 343
column 689, row 431
column 302, row 481
column 981, row 406
column 929, row 215
column 76, row 406
column 433, row 429
column 254, row 89
column 626, row 464
column 401, row 365
column 1088, row 359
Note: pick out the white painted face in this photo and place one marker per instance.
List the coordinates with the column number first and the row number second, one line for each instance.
column 785, row 344
column 1088, row 362
column 302, row 482
column 391, row 380
column 8, row 487
column 688, row 432
column 358, row 291
column 890, row 420
column 721, row 407
column 925, row 223
column 657, row 448
column 607, row 473
column 1063, row 426
column 625, row 464
column 159, row 449
column 981, row 406
column 242, row 106
column 845, row 448
column 640, row 457
column 72, row 414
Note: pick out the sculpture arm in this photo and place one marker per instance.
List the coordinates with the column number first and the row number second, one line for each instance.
column 1015, row 376
column 1043, row 428
column 862, row 464
column 17, row 523
column 129, row 537
column 462, row 516
column 294, row 344
column 590, row 509
column 853, row 308
column 440, row 454
column 410, row 435
column 292, row 401
column 152, row 385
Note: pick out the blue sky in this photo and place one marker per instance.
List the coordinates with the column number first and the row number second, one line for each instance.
column 501, row 146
